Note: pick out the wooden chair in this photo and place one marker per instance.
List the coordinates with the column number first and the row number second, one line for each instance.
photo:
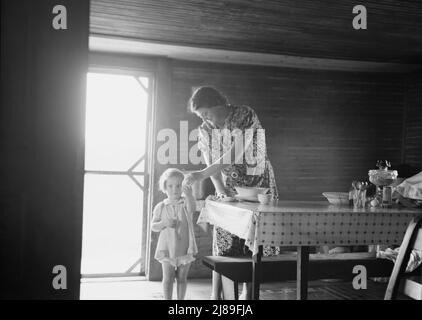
column 408, row 283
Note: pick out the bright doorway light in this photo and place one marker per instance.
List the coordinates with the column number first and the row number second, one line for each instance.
column 114, row 189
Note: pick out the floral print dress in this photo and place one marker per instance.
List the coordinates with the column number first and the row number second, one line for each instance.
column 242, row 119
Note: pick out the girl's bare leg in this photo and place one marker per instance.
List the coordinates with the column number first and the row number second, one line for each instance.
column 168, row 279
column 181, row 278
column 216, row 286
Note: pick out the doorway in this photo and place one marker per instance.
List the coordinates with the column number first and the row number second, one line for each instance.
column 117, row 171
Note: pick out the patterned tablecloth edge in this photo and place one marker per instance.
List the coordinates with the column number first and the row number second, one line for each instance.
column 253, row 234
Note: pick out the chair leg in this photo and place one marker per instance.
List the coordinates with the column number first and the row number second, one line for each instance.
column 236, row 290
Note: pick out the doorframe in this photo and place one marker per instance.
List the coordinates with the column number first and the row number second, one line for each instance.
column 101, row 62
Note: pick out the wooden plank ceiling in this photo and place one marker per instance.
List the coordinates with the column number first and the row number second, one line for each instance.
column 307, row 28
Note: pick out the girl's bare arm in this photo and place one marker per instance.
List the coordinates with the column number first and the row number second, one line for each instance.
column 157, row 224
column 190, row 200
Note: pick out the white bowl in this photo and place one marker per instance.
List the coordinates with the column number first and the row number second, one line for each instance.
column 250, row 191
column 337, row 198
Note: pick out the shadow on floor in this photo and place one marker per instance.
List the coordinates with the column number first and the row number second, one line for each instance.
column 200, row 289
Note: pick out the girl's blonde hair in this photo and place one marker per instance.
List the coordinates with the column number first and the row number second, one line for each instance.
column 171, row 172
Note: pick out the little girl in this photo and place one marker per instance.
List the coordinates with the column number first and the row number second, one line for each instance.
column 176, row 245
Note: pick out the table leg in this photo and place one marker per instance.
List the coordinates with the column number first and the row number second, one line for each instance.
column 302, row 272
column 256, row 273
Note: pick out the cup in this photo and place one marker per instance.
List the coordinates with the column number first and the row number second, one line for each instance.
column 264, row 198
column 359, row 199
column 363, row 199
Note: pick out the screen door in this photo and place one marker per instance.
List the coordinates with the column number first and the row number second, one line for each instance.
column 118, row 110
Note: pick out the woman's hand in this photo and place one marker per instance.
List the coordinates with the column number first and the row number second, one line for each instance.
column 193, row 177
column 221, row 194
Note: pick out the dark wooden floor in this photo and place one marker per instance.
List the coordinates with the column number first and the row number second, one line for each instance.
column 324, row 290
column 200, row 289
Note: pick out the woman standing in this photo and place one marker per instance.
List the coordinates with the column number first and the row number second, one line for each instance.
column 218, row 114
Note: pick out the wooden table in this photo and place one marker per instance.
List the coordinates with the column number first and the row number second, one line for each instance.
column 304, row 224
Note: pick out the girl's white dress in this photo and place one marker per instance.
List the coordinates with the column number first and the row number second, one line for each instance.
column 175, row 245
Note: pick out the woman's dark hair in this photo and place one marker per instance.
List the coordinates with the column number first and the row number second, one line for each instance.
column 206, row 97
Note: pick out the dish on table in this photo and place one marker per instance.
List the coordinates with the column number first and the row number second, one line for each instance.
column 247, row 198
column 337, row 198
column 227, row 199
column 222, row 198
column 250, row 191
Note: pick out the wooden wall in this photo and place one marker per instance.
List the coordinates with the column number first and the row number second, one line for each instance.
column 323, row 128
column 43, row 84
column 304, row 28
column 413, row 122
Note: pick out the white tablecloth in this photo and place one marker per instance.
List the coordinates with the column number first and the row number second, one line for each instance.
column 307, row 223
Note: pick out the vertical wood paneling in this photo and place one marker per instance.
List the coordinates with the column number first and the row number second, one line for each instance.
column 413, row 122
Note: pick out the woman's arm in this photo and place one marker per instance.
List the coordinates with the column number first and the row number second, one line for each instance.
column 214, row 169
column 218, row 183
column 233, row 154
column 216, row 178
column 220, row 164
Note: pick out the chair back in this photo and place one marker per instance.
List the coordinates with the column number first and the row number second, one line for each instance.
column 409, row 284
